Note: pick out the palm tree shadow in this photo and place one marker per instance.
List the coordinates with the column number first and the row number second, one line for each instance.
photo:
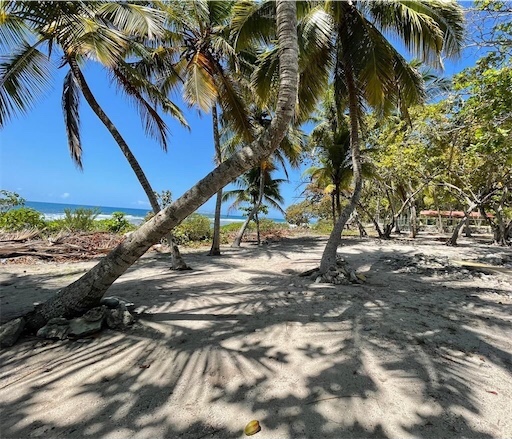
column 310, row 361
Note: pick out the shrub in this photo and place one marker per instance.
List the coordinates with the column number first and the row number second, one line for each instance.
column 195, row 228
column 231, row 227
column 267, row 225
column 80, row 220
column 22, row 218
column 9, row 199
column 117, row 224
column 323, row 227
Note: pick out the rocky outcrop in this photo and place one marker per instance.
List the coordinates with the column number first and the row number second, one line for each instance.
column 113, row 313
column 10, row 332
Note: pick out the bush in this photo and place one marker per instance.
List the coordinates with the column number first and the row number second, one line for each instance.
column 20, row 219
column 267, row 225
column 195, row 228
column 117, row 224
column 9, row 199
column 80, row 220
column 231, row 227
column 323, row 227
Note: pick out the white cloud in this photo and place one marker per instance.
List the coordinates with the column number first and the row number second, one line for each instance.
column 65, row 195
column 142, row 203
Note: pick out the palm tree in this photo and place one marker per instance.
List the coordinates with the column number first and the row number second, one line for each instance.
column 87, row 291
column 289, row 151
column 256, row 187
column 102, row 31
column 202, row 56
column 348, row 41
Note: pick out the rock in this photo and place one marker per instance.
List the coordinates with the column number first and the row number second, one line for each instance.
column 95, row 314
column 110, row 302
column 10, row 331
column 318, row 279
column 353, row 277
column 119, row 318
column 80, row 327
column 115, row 301
column 58, row 321
column 55, row 329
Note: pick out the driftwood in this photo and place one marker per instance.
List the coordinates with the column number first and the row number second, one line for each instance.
column 70, row 247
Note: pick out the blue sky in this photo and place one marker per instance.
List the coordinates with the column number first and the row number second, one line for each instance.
column 35, row 162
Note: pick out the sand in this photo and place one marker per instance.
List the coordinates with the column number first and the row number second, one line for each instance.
column 422, row 349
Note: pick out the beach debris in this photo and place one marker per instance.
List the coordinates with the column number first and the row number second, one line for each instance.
column 69, row 247
column 10, row 332
column 492, row 391
column 252, row 427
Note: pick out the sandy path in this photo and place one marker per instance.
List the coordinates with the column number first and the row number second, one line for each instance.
column 417, row 351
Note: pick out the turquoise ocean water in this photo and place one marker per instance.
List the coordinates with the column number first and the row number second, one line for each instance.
column 135, row 216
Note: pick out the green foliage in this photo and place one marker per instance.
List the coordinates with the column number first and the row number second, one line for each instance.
column 231, row 227
column 298, row 215
column 9, row 199
column 323, row 227
column 268, row 225
column 117, row 224
column 80, row 220
column 195, row 228
column 20, row 219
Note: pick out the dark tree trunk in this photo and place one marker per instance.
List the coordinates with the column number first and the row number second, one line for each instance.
column 333, row 209
column 215, row 249
column 257, row 220
column 362, row 231
column 458, row 227
column 254, row 210
column 177, row 262
column 87, row 291
column 329, row 254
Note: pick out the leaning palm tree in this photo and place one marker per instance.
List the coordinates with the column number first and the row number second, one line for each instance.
column 87, row 291
column 250, row 193
column 105, row 32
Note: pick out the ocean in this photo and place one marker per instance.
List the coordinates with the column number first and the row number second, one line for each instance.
column 135, row 216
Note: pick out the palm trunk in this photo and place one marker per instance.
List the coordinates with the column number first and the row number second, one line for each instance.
column 333, row 209
column 176, row 260
column 215, row 249
column 257, row 220
column 87, row 291
column 329, row 254
column 362, row 231
column 256, row 207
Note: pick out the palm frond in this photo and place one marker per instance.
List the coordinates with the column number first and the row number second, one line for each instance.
column 233, row 106
column 426, row 27
column 24, row 76
column 220, row 11
column 70, row 107
column 134, row 19
column 264, row 77
column 13, row 30
column 253, row 22
column 199, row 87
column 123, row 76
